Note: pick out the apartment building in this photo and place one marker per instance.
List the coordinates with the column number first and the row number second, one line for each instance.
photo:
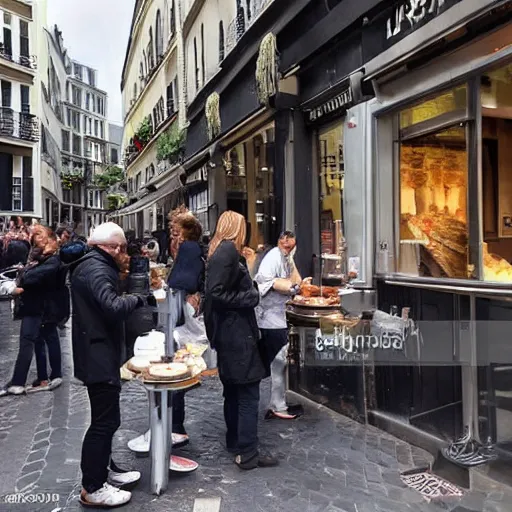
column 20, row 36
column 153, row 99
column 76, row 139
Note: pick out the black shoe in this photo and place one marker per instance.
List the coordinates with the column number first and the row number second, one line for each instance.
column 296, row 409
column 256, row 461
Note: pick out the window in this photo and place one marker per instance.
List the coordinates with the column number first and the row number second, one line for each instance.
column 240, row 20
column 331, row 174
column 101, row 130
column 100, row 106
column 69, row 116
column 91, row 76
column 97, row 152
column 76, row 96
column 88, row 101
column 6, row 94
column 75, row 120
column 196, row 68
column 203, row 65
column 170, row 100
column 77, row 145
column 134, row 91
column 173, row 19
column 221, row 42
column 433, row 176
column 24, row 41
column 159, row 36
column 248, row 4
column 78, row 71
column 88, row 149
column 96, row 127
column 151, row 173
column 138, row 181
column 114, row 157
column 7, row 51
column 141, row 76
column 90, row 125
column 151, row 56
column 16, row 194
column 7, row 18
column 146, row 65
column 25, row 99
column 198, row 204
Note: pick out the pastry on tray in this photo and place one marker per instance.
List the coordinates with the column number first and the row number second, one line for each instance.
column 138, row 364
column 169, row 371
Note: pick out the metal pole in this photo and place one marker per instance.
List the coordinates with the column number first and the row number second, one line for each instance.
column 160, row 403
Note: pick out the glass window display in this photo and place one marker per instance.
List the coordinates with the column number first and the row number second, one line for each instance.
column 433, row 193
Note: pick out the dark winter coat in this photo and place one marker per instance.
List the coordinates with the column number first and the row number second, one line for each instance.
column 39, row 283
column 230, row 299
column 99, row 313
column 188, row 270
column 57, row 305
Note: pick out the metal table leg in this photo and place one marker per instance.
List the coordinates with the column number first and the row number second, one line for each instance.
column 160, row 405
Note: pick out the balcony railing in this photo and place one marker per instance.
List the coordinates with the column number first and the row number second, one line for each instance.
column 29, row 62
column 243, row 20
column 18, row 125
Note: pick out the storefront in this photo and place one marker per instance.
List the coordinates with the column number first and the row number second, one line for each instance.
column 442, row 133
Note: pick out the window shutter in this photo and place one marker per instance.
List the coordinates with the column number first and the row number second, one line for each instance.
column 5, row 181
column 28, row 185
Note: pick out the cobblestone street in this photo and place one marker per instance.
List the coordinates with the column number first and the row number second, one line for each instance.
column 328, row 462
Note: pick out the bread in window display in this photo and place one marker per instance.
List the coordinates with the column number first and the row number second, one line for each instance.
column 495, row 267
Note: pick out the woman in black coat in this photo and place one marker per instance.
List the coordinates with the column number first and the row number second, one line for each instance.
column 230, row 299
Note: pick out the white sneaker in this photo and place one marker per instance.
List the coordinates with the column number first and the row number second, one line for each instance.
column 123, row 479
column 140, row 444
column 16, row 390
column 55, row 383
column 106, row 497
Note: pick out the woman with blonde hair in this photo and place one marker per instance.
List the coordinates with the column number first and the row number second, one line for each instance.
column 230, row 320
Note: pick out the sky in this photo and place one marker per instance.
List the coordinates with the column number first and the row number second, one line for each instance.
column 96, row 34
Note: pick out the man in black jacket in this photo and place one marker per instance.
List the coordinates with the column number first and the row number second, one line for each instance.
column 99, row 312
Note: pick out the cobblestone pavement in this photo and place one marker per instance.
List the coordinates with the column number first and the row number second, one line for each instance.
column 328, row 462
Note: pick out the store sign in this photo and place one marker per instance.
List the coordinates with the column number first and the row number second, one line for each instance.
column 339, row 102
column 408, row 15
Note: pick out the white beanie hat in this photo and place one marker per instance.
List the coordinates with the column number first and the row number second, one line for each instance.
column 107, row 233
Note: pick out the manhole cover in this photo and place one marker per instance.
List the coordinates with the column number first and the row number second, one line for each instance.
column 430, row 486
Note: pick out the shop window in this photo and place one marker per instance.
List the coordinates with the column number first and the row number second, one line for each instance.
column 331, row 177
column 496, row 103
column 249, row 170
column 433, row 179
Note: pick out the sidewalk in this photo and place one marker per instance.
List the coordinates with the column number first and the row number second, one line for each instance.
column 328, row 462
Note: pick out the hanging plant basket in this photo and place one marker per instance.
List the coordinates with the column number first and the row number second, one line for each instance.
column 212, row 113
column 267, row 69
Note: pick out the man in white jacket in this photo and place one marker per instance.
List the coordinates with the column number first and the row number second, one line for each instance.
column 278, row 279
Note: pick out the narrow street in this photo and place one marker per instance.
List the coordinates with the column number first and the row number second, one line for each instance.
column 329, row 463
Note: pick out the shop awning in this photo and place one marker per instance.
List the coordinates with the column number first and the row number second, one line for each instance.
column 173, row 183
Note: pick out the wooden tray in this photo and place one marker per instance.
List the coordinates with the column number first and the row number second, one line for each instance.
column 179, row 385
column 147, row 377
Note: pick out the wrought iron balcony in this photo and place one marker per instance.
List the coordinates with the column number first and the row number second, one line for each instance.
column 29, row 62
column 243, row 20
column 18, row 125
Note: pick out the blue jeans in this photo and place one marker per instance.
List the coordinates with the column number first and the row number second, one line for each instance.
column 29, row 335
column 241, row 404
column 48, row 335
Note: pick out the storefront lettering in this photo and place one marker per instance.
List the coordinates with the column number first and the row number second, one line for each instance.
column 337, row 103
column 411, row 13
column 351, row 344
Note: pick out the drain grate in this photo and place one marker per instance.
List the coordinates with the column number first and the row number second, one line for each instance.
column 430, row 486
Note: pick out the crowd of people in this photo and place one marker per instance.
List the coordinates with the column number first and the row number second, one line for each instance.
column 240, row 292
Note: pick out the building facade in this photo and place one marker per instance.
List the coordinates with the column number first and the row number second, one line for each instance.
column 20, row 177
column 152, row 86
column 76, row 140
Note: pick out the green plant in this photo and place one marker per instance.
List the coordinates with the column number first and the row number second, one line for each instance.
column 109, row 177
column 71, row 176
column 145, row 131
column 115, row 201
column 267, row 71
column 170, row 144
column 212, row 114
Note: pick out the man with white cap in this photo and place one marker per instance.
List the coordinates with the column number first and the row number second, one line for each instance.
column 99, row 312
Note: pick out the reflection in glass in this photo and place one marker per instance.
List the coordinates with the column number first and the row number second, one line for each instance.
column 496, row 101
column 433, row 205
column 450, row 101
